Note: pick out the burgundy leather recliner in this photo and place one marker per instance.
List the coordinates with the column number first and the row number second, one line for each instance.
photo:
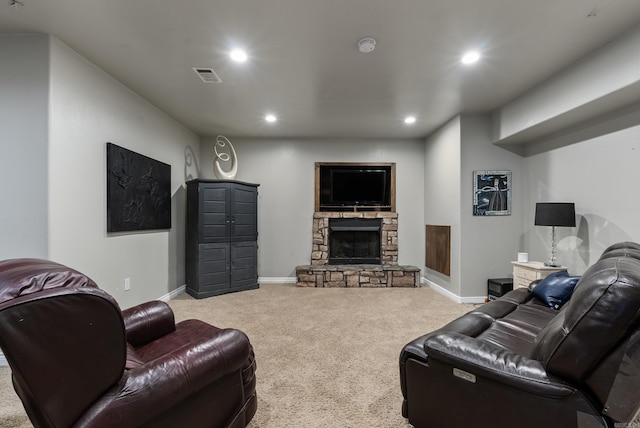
column 516, row 362
column 77, row 360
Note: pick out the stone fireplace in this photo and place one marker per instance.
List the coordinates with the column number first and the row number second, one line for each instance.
column 385, row 273
column 355, row 229
column 388, row 231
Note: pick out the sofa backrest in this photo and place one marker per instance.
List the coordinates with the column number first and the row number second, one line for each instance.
column 622, row 249
column 595, row 339
column 603, row 311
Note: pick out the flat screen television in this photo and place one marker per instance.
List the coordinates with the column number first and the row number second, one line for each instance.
column 344, row 186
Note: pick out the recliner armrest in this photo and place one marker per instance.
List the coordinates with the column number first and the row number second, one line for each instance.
column 480, row 358
column 147, row 322
column 172, row 378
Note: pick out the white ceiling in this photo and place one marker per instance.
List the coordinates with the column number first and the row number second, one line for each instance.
column 304, row 62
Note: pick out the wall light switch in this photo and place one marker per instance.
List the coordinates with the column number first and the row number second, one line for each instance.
column 127, row 284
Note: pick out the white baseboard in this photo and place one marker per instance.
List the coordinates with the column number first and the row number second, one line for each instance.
column 435, row 287
column 277, row 280
column 173, row 294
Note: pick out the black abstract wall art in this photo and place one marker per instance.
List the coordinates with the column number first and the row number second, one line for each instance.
column 138, row 191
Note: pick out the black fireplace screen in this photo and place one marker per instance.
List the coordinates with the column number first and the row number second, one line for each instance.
column 354, row 241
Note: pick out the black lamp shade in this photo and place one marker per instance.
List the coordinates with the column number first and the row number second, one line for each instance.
column 555, row 214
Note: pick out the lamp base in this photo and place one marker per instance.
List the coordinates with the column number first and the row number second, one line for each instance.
column 552, row 254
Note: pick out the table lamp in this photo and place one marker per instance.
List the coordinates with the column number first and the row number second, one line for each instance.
column 555, row 214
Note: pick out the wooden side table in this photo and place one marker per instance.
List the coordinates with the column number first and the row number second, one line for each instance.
column 524, row 273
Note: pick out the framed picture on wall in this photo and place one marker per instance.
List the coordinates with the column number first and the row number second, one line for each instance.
column 138, row 191
column 491, row 193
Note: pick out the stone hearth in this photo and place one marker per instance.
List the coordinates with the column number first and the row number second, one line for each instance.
column 357, row 276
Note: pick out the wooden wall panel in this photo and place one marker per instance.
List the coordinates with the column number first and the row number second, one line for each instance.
column 438, row 248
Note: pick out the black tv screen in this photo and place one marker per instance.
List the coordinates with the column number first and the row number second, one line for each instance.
column 358, row 187
column 344, row 186
column 138, row 191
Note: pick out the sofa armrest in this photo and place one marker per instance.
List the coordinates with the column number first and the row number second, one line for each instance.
column 147, row 322
column 144, row 393
column 478, row 358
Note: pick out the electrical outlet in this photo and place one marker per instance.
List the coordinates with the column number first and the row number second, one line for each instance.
column 127, row 284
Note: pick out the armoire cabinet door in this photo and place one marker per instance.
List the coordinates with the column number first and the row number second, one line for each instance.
column 244, row 213
column 244, row 264
column 215, row 213
column 214, row 267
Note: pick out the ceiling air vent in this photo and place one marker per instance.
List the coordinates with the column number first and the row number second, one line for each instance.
column 208, row 75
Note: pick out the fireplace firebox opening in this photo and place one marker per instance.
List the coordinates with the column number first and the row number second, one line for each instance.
column 354, row 241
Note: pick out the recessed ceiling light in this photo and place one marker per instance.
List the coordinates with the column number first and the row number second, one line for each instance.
column 238, row 55
column 270, row 118
column 470, row 57
column 409, row 120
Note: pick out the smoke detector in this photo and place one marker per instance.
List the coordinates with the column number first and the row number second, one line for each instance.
column 366, row 45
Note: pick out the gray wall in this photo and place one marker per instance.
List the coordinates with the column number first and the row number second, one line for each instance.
column 481, row 247
column 594, row 166
column 24, row 108
column 285, row 171
column 593, row 162
column 88, row 109
column 61, row 111
column 600, row 175
column 488, row 243
column 442, row 163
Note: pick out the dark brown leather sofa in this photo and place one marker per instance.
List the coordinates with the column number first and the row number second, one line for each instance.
column 77, row 360
column 515, row 362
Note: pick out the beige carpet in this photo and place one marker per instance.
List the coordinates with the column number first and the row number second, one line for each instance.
column 326, row 357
